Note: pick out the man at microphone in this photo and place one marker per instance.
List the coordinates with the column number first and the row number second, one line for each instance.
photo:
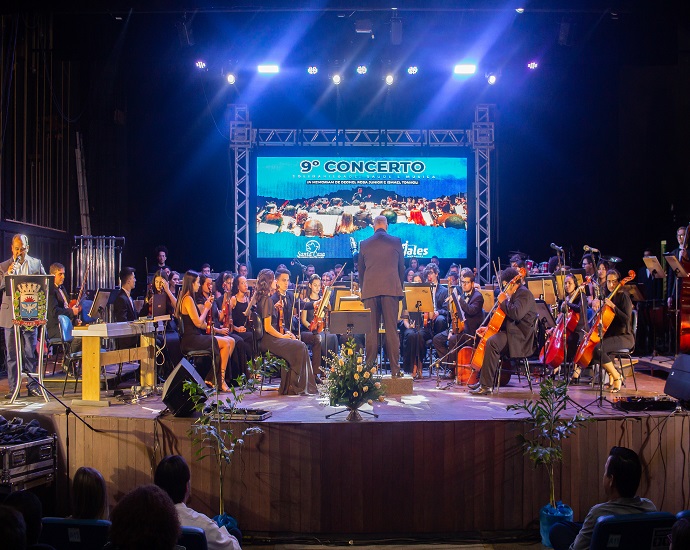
column 19, row 264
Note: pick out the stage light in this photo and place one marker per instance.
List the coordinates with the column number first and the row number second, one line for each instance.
column 491, row 78
column 268, row 69
column 231, row 78
column 532, row 65
column 313, row 69
column 520, row 10
column 362, row 69
column 412, row 70
column 465, row 69
column 389, row 79
column 336, row 79
column 200, row 64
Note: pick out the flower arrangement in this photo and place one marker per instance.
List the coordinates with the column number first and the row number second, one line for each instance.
column 349, row 380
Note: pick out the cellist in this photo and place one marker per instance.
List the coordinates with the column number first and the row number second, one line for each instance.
column 619, row 334
column 517, row 331
column 574, row 302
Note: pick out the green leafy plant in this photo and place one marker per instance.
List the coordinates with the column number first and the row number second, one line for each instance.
column 213, row 435
column 349, row 381
column 544, row 442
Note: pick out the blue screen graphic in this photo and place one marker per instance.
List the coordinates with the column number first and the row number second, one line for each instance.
column 321, row 207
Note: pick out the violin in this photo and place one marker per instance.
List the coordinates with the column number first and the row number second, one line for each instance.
column 80, row 296
column 281, row 316
column 209, row 321
column 604, row 317
column 495, row 318
column 553, row 354
column 227, row 314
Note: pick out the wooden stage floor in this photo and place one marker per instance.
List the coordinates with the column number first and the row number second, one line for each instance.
column 438, row 461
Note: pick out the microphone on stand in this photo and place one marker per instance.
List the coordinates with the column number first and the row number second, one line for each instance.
column 556, row 248
column 588, row 248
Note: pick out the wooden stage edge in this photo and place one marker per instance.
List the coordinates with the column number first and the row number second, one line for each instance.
column 437, row 461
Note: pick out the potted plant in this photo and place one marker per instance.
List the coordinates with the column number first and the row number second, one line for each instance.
column 543, row 443
column 351, row 382
column 213, row 433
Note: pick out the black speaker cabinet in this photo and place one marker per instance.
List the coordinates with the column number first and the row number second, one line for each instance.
column 175, row 398
column 678, row 382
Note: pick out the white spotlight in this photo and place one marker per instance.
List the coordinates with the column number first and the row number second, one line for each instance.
column 491, row 78
column 465, row 69
column 336, row 79
column 231, row 78
column 412, row 70
column 520, row 10
column 389, row 79
column 200, row 64
column 313, row 69
column 362, row 69
column 532, row 65
column 268, row 69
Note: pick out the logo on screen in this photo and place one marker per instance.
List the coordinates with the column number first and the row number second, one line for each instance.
column 414, row 251
column 312, row 250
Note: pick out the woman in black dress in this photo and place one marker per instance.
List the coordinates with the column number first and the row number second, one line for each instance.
column 297, row 378
column 329, row 341
column 170, row 342
column 239, row 303
column 194, row 326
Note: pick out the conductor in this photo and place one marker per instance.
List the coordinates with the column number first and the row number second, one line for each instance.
column 381, row 270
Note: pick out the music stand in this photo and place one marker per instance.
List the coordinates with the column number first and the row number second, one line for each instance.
column 635, row 292
column 418, row 297
column 350, row 322
column 652, row 263
column 350, row 303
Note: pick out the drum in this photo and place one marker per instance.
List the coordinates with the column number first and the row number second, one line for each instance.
column 529, row 265
column 544, row 267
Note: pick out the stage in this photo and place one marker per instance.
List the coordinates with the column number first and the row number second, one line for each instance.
column 437, row 462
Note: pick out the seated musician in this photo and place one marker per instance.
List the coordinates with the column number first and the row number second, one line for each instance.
column 239, row 303
column 517, row 333
column 328, row 341
column 414, row 337
column 123, row 306
column 59, row 305
column 574, row 302
column 438, row 319
column 619, row 334
column 298, row 377
column 346, row 225
column 291, row 308
column 239, row 357
column 194, row 325
column 471, row 302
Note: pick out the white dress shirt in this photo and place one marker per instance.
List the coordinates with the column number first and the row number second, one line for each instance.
column 217, row 538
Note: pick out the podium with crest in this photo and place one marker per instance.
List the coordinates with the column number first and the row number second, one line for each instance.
column 29, row 296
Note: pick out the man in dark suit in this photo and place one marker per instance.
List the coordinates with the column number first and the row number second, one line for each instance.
column 439, row 317
column 471, row 302
column 381, row 268
column 517, row 332
column 59, row 303
column 19, row 264
column 123, row 306
column 671, row 276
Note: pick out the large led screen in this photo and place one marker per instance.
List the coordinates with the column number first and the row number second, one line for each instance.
column 322, row 207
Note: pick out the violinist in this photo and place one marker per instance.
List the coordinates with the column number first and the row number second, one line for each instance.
column 619, row 334
column 239, row 303
column 327, row 340
column 297, row 378
column 238, row 359
column 288, row 304
column 471, row 302
column 517, row 331
column 437, row 319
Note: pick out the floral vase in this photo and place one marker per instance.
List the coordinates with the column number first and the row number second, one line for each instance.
column 353, row 415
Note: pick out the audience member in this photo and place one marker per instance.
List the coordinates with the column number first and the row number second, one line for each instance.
column 174, row 477
column 30, row 507
column 12, row 528
column 680, row 535
column 145, row 519
column 622, row 474
column 89, row 495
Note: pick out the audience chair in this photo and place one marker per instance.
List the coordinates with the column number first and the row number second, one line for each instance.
column 75, row 534
column 683, row 514
column 642, row 531
column 58, row 350
column 193, row 538
column 618, row 355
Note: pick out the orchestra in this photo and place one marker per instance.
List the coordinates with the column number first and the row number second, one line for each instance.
column 592, row 314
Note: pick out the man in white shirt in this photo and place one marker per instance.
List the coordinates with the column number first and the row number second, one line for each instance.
column 173, row 476
column 622, row 474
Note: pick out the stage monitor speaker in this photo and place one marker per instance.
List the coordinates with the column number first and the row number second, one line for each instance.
column 678, row 382
column 175, row 398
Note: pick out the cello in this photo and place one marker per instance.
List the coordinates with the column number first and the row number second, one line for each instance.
column 553, row 353
column 495, row 318
column 604, row 317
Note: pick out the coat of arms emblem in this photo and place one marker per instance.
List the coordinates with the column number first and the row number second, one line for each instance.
column 29, row 305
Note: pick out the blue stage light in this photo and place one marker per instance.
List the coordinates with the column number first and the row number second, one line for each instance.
column 200, row 64
column 532, row 65
column 412, row 70
column 389, row 79
column 313, row 69
column 465, row 69
column 362, row 69
column 231, row 78
column 336, row 79
column 268, row 69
